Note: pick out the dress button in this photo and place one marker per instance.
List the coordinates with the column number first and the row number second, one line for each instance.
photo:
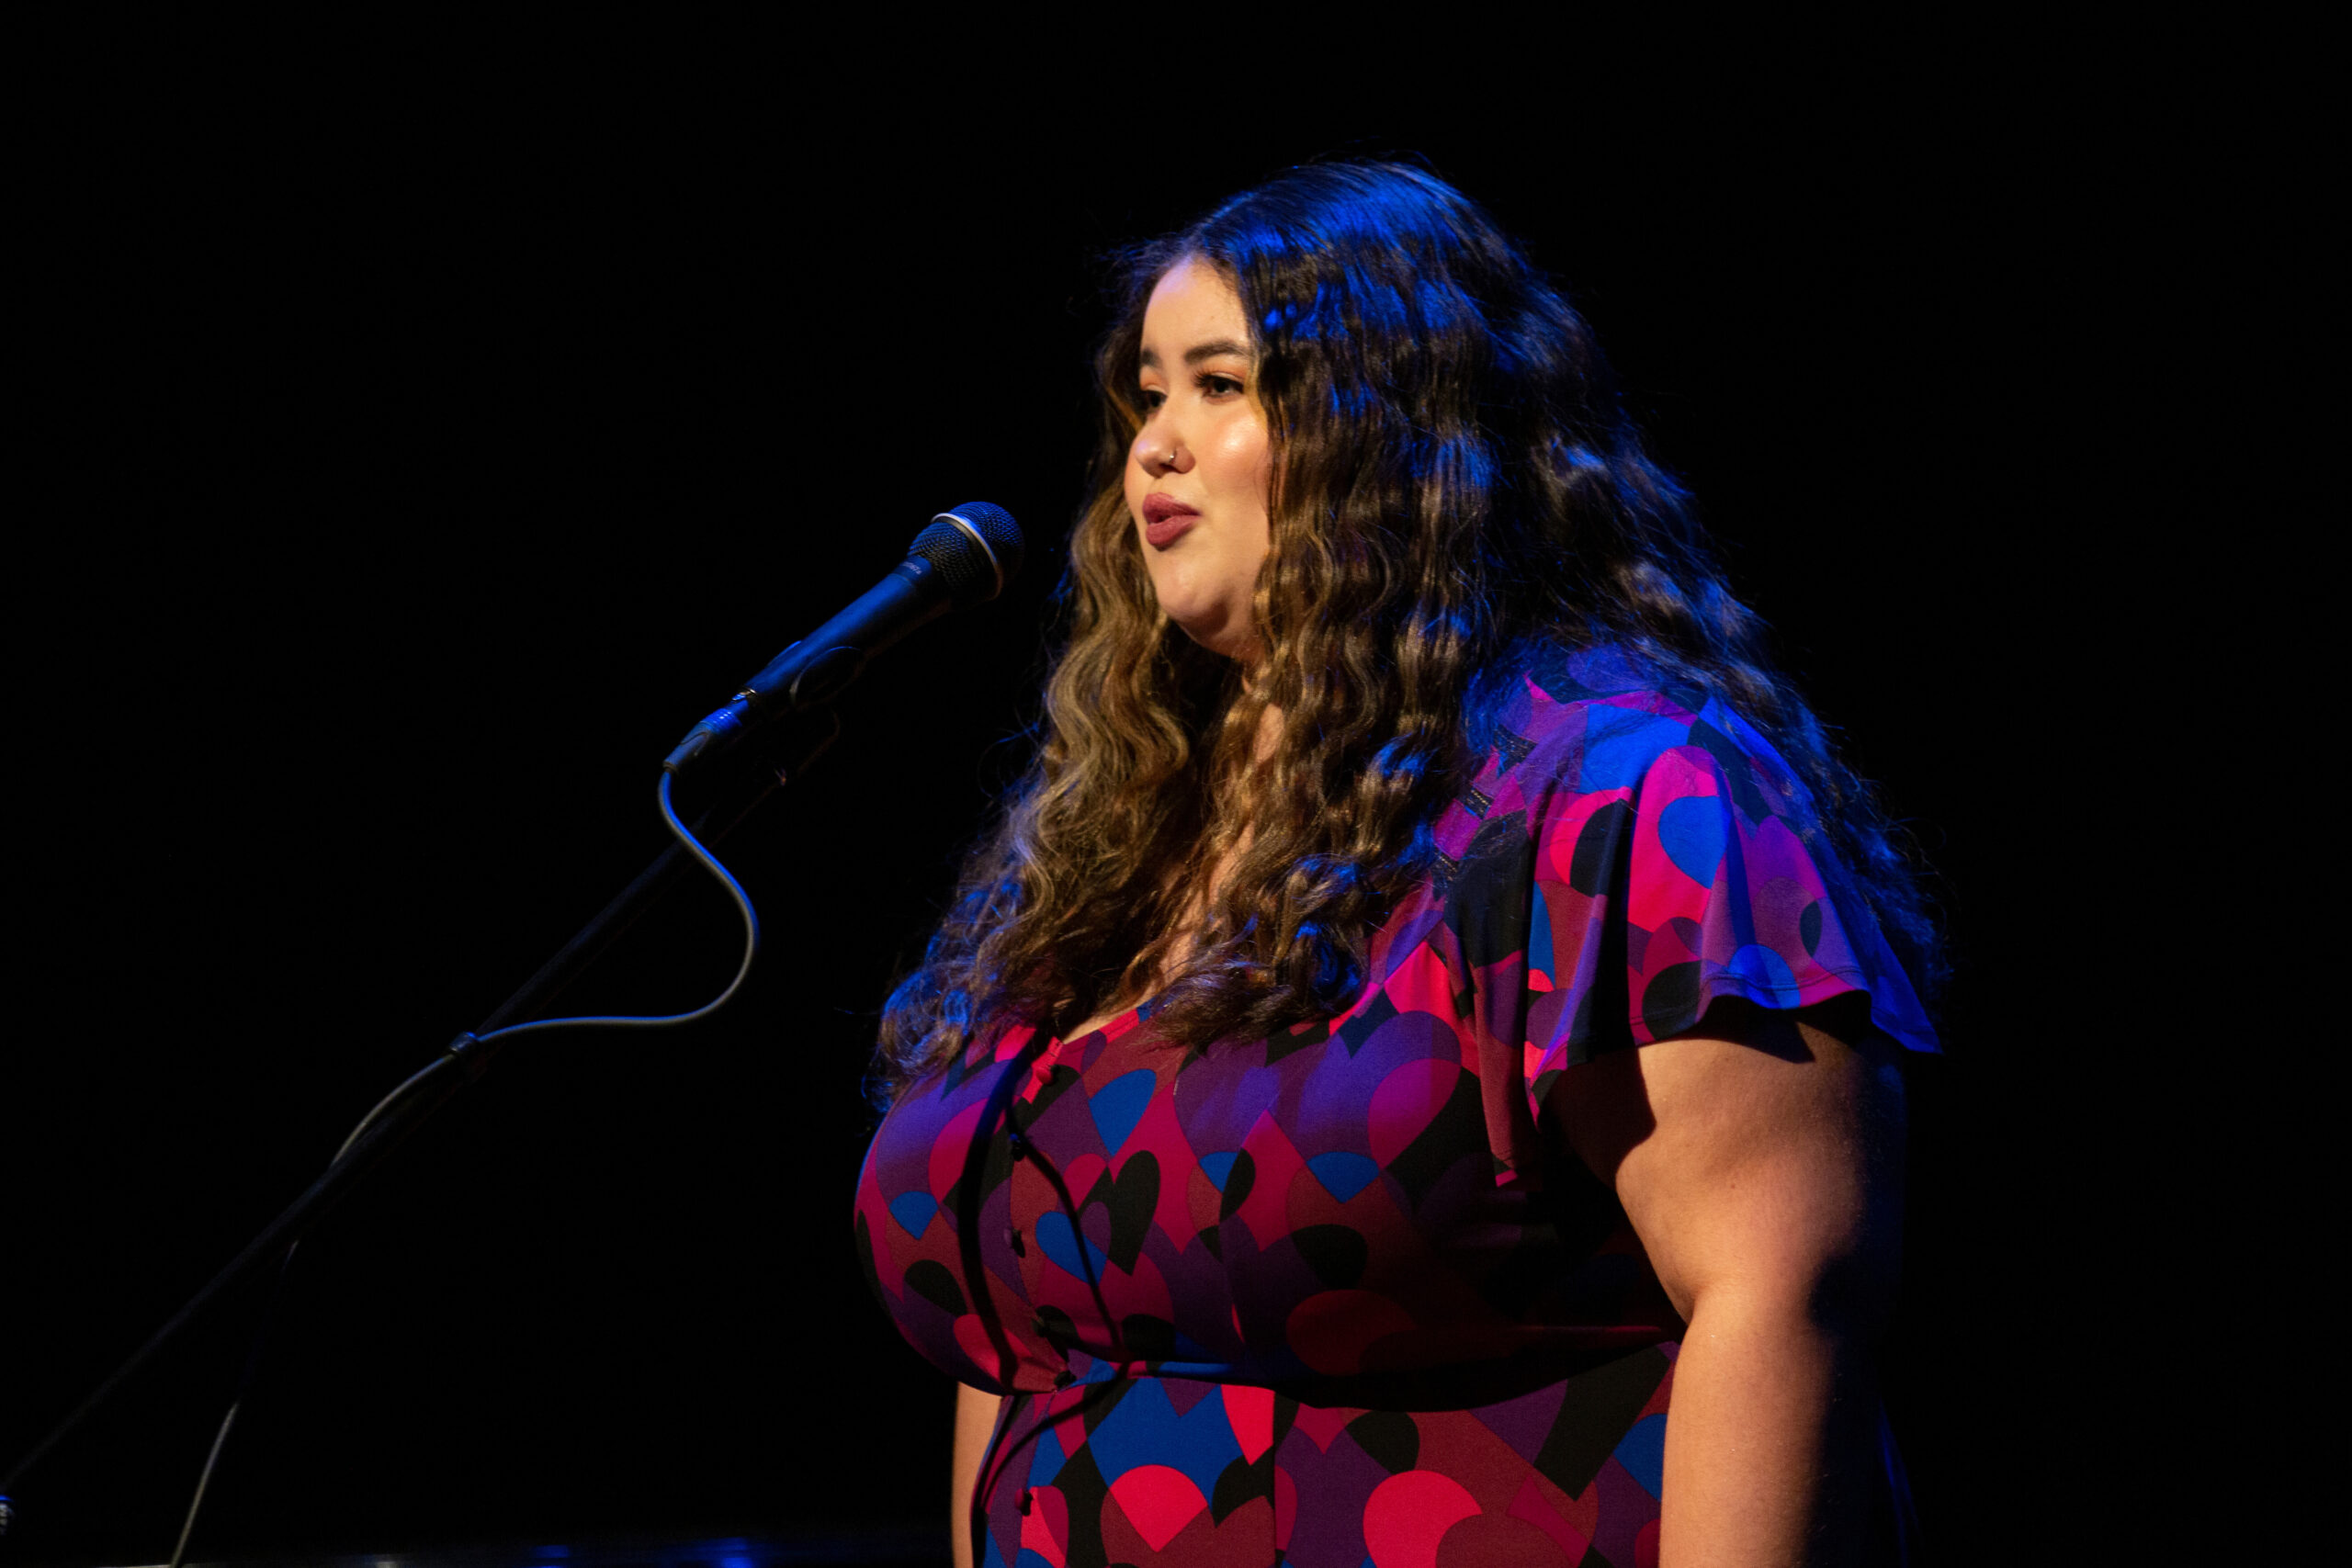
column 1027, row 1497
column 1064, row 1378
column 1020, row 1146
column 1012, row 1239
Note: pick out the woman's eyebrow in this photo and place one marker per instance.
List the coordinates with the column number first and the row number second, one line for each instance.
column 1200, row 351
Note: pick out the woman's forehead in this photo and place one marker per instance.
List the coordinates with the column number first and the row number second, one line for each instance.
column 1194, row 313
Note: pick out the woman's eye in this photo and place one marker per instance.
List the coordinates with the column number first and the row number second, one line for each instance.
column 1212, row 385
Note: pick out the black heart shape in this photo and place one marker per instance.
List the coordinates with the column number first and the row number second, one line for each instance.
column 1131, row 1198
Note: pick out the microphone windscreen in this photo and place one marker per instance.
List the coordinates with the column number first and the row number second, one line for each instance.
column 977, row 548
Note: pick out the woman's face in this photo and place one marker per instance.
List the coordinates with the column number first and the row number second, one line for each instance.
column 1199, row 469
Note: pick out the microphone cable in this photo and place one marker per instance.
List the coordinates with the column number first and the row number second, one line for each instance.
column 962, row 558
column 465, row 1044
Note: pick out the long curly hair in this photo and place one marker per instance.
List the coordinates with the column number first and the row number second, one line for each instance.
column 1455, row 474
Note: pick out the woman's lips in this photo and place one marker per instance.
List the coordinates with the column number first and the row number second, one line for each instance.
column 1166, row 521
column 1169, row 529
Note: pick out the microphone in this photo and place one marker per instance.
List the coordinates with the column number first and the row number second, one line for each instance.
column 964, row 557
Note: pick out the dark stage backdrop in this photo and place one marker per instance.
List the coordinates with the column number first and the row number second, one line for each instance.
column 432, row 465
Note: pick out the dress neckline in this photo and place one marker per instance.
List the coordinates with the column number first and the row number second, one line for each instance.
column 1118, row 1024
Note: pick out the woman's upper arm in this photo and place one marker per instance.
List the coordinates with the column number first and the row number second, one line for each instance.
column 1761, row 1153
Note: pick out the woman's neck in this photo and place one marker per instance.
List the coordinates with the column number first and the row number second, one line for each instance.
column 1179, row 952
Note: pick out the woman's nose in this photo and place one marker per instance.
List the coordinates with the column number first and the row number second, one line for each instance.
column 1159, row 449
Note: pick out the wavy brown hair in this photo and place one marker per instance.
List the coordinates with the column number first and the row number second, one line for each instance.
column 1455, row 474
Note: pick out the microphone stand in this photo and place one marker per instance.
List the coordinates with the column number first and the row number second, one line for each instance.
column 787, row 753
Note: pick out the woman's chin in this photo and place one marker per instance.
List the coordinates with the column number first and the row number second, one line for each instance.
column 1219, row 637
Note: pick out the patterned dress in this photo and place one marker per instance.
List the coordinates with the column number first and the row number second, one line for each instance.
column 1344, row 1297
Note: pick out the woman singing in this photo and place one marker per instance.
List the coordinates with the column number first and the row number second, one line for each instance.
column 1415, row 1075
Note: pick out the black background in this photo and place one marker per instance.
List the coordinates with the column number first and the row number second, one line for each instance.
column 424, row 449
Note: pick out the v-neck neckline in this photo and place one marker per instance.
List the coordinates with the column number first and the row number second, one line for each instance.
column 1110, row 1028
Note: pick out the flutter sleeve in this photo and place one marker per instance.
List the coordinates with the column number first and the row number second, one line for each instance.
column 1628, row 861
column 1677, row 861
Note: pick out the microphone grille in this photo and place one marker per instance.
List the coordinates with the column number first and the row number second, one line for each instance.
column 976, row 546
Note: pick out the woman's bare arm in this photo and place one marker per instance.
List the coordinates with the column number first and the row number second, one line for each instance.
column 975, row 1419
column 1761, row 1161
